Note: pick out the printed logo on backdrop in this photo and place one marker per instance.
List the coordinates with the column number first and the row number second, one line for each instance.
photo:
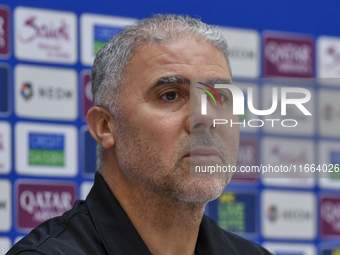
column 290, row 248
column 4, row 90
column 45, row 35
column 288, row 215
column 46, row 150
column 86, row 92
column 288, row 152
column 37, row 202
column 244, row 48
column 277, row 152
column 96, row 30
column 4, row 32
column 236, row 212
column 329, row 110
column 28, row 90
column 47, row 93
column 5, row 147
column 328, row 61
column 274, row 214
column 5, row 205
column 330, row 216
column 288, row 56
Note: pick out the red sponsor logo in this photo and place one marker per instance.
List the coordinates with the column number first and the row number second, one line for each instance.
column 286, row 56
column 285, row 157
column 31, row 30
column 37, row 202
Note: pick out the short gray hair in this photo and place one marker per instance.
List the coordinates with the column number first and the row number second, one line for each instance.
column 111, row 62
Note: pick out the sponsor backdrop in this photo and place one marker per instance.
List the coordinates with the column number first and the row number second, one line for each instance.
column 48, row 157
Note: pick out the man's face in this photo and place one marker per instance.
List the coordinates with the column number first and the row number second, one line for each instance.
column 154, row 123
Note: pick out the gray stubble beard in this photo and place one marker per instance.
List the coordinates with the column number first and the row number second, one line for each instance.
column 148, row 171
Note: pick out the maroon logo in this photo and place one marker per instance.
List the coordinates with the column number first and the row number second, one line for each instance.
column 32, row 31
column 330, row 216
column 287, row 158
column 87, row 92
column 286, row 56
column 37, row 202
column 4, row 31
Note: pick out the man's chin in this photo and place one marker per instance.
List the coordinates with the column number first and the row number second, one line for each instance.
column 203, row 190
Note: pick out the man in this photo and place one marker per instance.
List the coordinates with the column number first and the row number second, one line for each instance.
column 144, row 200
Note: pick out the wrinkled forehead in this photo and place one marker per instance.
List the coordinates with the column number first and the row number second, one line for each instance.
column 171, row 55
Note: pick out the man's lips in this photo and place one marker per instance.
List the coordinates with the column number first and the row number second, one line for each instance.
column 204, row 155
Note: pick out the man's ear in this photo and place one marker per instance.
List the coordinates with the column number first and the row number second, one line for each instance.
column 101, row 126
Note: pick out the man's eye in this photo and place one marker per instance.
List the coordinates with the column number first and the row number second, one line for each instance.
column 170, row 96
column 223, row 97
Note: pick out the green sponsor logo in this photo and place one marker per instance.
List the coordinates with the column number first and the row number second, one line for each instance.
column 231, row 214
column 46, row 158
column 46, row 149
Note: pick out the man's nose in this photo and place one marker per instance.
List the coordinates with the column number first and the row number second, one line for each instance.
column 197, row 121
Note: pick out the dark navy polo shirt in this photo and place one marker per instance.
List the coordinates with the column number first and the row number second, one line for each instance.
column 99, row 225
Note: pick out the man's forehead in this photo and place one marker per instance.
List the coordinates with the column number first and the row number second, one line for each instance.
column 158, row 66
column 171, row 50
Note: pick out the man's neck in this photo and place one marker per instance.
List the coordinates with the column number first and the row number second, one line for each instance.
column 166, row 225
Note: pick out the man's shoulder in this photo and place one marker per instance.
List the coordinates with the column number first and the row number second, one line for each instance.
column 66, row 234
column 233, row 242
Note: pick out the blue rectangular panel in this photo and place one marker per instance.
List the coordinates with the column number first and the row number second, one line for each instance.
column 104, row 33
column 335, row 157
column 4, row 90
column 90, row 154
column 42, row 141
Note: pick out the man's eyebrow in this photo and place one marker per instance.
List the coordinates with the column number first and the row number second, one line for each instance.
column 219, row 81
column 169, row 80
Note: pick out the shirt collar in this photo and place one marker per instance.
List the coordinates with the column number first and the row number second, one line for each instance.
column 115, row 229
column 212, row 240
column 119, row 236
